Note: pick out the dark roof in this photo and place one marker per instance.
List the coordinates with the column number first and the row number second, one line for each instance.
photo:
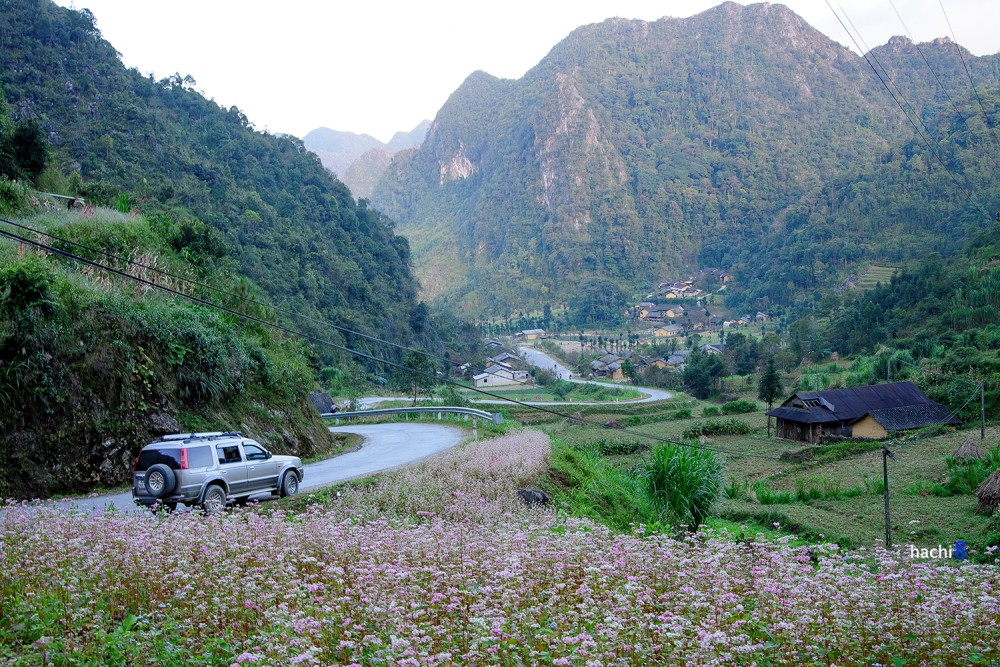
column 848, row 405
column 914, row 416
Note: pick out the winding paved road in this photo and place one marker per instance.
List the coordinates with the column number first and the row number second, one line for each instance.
column 386, row 446
column 542, row 360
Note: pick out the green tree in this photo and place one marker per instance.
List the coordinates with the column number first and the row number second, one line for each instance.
column 770, row 388
column 701, row 372
column 628, row 370
column 420, row 373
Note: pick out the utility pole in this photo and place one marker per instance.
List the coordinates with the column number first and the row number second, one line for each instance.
column 885, row 487
column 888, row 368
column 982, row 411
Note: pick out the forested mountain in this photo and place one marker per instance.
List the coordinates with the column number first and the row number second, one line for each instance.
column 634, row 149
column 164, row 149
column 338, row 150
column 366, row 171
column 403, row 140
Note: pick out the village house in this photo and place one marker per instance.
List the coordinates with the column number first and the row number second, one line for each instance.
column 714, row 348
column 667, row 331
column 498, row 375
column 502, row 358
column 761, row 317
column 870, row 412
column 653, row 362
column 531, row 334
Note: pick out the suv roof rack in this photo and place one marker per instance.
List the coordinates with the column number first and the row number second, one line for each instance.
column 201, row 435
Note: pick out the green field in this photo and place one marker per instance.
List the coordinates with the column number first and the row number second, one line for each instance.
column 851, row 513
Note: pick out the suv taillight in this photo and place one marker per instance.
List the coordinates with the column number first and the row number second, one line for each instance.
column 135, row 465
column 184, row 458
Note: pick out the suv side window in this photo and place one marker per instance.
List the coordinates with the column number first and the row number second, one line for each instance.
column 253, row 452
column 229, row 454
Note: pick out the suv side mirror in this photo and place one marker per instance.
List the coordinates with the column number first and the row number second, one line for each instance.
column 268, row 454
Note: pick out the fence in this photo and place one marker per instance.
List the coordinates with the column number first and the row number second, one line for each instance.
column 495, row 417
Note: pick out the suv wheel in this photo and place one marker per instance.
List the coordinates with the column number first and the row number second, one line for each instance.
column 289, row 484
column 214, row 501
column 160, row 480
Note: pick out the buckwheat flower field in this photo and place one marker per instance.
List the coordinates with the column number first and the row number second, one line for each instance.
column 462, row 574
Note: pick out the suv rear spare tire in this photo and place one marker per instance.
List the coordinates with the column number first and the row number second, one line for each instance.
column 160, row 480
column 214, row 500
column 289, row 484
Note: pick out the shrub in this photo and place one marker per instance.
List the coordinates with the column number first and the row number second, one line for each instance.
column 739, row 407
column 966, row 476
column 711, row 411
column 684, row 413
column 620, row 447
column 683, row 482
column 717, row 427
column 737, row 490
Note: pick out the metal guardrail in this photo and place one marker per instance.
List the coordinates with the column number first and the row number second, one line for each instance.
column 495, row 417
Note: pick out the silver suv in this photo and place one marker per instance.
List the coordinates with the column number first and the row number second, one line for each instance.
column 210, row 470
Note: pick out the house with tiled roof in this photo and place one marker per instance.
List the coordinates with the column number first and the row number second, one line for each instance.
column 871, row 412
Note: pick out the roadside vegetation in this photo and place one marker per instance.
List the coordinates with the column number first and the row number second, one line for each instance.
column 443, row 563
column 93, row 366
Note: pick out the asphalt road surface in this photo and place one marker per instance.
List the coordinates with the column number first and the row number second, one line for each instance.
column 542, row 360
column 386, row 446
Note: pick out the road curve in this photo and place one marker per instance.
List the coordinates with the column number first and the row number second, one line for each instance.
column 386, row 446
column 542, row 360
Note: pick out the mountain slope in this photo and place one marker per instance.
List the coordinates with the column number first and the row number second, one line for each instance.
column 338, row 150
column 403, row 140
column 366, row 171
column 165, row 149
column 634, row 149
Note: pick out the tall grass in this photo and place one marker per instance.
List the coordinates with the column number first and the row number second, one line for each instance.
column 965, row 476
column 729, row 426
column 683, row 482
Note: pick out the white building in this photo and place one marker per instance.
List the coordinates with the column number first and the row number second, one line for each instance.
column 498, row 375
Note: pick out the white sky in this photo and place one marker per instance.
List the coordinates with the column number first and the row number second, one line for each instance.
column 379, row 66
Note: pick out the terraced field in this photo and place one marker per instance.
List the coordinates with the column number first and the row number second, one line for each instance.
column 874, row 275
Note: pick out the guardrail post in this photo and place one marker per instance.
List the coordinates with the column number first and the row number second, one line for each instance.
column 475, row 436
column 439, row 416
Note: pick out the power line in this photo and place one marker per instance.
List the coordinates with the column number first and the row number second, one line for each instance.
column 894, row 99
column 257, row 320
column 223, row 292
column 969, row 73
column 233, row 295
column 936, row 77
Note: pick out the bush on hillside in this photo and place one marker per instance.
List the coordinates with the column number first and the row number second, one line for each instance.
column 717, row 427
column 739, row 407
column 684, row 482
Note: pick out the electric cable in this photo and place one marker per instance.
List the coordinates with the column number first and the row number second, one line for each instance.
column 969, row 73
column 940, row 84
column 233, row 295
column 68, row 255
column 894, row 99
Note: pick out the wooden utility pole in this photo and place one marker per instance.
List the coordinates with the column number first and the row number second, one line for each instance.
column 982, row 410
column 888, row 368
column 885, row 490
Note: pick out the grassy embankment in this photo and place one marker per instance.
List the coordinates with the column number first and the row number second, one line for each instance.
column 96, row 366
column 836, row 496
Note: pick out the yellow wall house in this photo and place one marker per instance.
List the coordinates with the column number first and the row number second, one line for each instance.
column 868, row 427
column 873, row 411
column 532, row 334
column 669, row 330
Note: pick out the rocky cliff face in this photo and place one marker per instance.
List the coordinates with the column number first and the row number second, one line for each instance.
column 629, row 149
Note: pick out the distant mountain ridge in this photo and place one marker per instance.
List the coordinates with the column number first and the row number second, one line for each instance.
column 338, row 149
column 634, row 149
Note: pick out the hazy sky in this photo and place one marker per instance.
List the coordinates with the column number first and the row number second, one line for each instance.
column 377, row 66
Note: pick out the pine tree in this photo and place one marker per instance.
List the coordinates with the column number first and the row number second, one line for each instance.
column 770, row 388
